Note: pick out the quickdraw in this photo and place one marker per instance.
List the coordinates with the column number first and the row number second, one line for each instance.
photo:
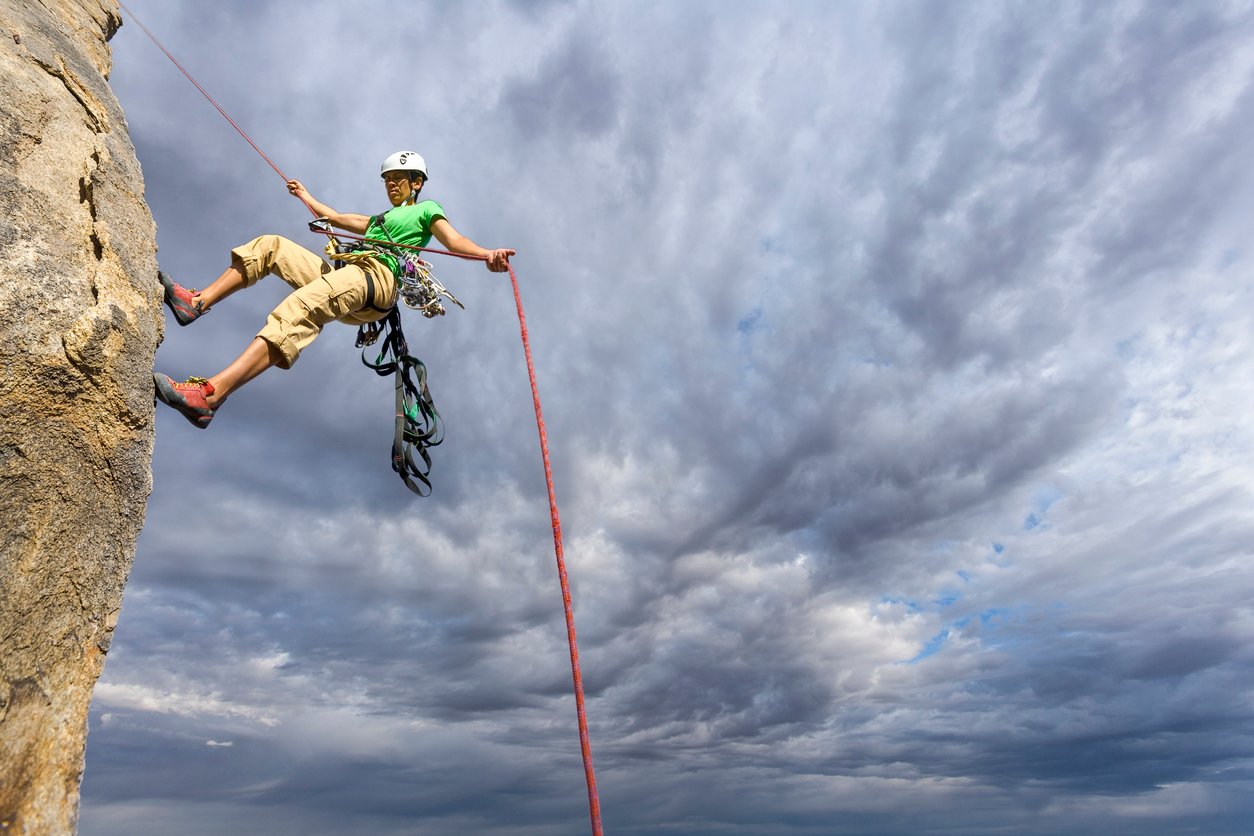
column 420, row 289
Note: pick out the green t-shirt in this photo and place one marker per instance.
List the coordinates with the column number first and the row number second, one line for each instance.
column 405, row 225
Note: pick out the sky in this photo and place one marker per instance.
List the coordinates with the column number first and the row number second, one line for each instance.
column 897, row 361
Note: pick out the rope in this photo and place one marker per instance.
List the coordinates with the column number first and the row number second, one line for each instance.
column 203, row 92
column 585, row 746
column 314, row 226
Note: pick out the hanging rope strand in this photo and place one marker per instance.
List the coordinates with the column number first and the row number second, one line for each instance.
column 585, row 746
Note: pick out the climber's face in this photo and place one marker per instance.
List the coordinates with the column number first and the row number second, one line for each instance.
column 399, row 186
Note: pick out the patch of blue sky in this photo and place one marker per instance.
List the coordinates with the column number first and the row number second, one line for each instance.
column 749, row 322
column 986, row 617
column 999, row 557
column 750, row 327
column 1127, row 349
column 993, row 622
column 934, row 644
column 998, row 628
column 906, row 602
column 1043, row 498
column 930, row 649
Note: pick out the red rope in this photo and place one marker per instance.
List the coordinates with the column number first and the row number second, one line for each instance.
column 352, row 237
column 585, row 746
column 203, row 92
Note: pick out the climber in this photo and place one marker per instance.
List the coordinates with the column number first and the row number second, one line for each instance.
column 358, row 293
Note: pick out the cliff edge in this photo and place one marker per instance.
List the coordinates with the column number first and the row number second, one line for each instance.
column 80, row 319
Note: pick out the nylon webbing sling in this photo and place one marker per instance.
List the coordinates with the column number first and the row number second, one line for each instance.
column 418, row 422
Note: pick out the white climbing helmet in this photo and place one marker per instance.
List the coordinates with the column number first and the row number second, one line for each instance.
column 404, row 161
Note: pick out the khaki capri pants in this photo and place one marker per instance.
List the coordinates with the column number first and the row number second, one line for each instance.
column 321, row 294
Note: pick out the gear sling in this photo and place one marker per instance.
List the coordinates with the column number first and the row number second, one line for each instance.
column 418, row 422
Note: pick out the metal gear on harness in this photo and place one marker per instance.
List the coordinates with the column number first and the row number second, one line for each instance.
column 416, row 282
column 420, row 289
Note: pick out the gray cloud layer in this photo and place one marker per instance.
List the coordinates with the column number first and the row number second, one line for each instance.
column 896, row 361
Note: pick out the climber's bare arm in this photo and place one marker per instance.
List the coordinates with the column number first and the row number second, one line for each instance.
column 341, row 220
column 497, row 260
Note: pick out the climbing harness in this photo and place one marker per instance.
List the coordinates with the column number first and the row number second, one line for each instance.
column 417, row 285
column 585, row 746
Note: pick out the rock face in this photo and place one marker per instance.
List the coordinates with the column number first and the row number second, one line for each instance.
column 80, row 320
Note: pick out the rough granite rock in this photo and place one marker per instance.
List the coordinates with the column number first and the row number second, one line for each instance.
column 80, row 319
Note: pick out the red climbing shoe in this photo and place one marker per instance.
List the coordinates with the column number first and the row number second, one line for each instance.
column 188, row 397
column 182, row 302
